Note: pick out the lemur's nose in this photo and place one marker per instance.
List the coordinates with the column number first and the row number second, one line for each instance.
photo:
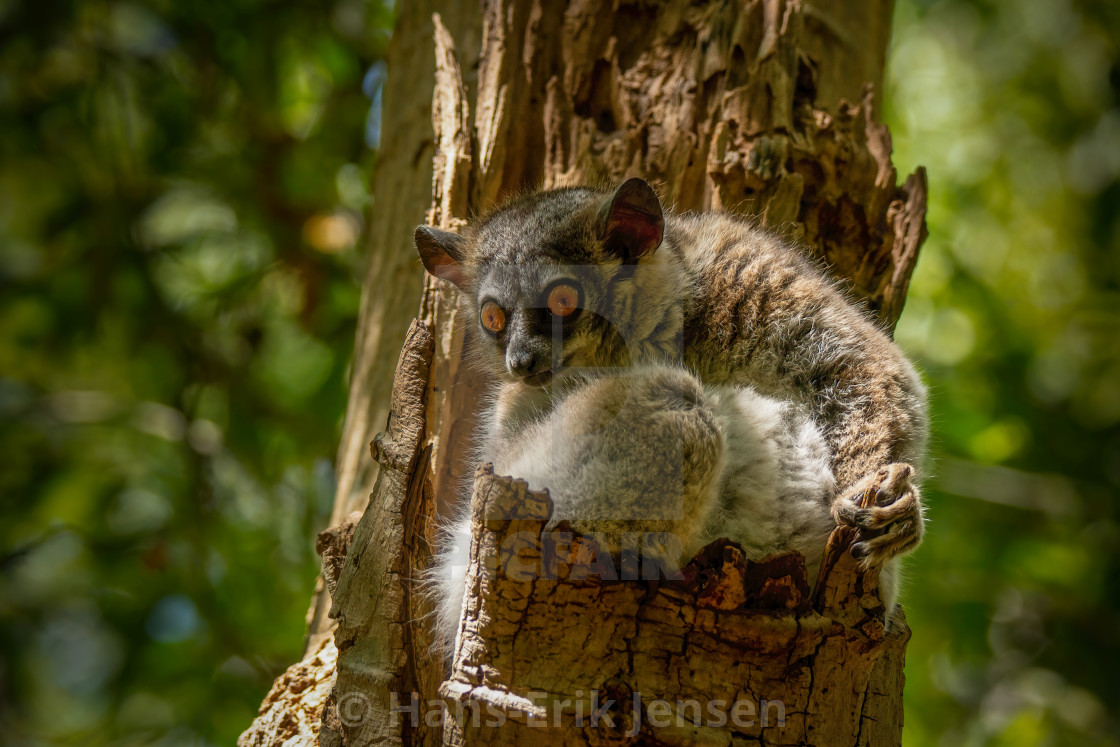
column 521, row 363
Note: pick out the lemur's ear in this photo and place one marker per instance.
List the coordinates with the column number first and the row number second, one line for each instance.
column 442, row 253
column 630, row 222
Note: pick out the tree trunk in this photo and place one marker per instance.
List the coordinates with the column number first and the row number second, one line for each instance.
column 762, row 108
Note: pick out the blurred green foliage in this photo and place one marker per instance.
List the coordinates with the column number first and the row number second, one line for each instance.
column 182, row 185
column 1014, row 313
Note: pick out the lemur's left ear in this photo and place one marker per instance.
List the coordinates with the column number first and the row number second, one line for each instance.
column 630, row 222
column 442, row 253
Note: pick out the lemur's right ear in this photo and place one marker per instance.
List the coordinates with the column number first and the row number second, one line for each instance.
column 442, row 253
column 631, row 223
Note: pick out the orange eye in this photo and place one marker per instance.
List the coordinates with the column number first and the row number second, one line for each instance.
column 493, row 318
column 563, row 300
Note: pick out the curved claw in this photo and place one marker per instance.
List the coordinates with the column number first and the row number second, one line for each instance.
column 900, row 539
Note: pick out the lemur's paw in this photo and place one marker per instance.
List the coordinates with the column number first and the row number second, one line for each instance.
column 893, row 523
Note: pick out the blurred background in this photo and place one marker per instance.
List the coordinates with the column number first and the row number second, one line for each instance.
column 1014, row 316
column 183, row 190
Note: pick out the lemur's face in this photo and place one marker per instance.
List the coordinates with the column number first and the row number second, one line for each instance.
column 538, row 316
column 542, row 276
column 541, row 286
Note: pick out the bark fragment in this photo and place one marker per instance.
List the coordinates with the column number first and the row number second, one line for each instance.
column 375, row 604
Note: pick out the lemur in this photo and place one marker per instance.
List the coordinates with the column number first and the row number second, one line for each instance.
column 691, row 375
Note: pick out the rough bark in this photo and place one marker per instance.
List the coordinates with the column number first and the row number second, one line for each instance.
column 292, row 712
column 763, row 108
column 551, row 634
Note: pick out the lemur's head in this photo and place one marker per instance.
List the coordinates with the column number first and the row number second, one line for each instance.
column 550, row 276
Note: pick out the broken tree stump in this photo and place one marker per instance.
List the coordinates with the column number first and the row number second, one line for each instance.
column 563, row 644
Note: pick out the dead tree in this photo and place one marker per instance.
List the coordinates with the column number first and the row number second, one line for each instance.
column 765, row 107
